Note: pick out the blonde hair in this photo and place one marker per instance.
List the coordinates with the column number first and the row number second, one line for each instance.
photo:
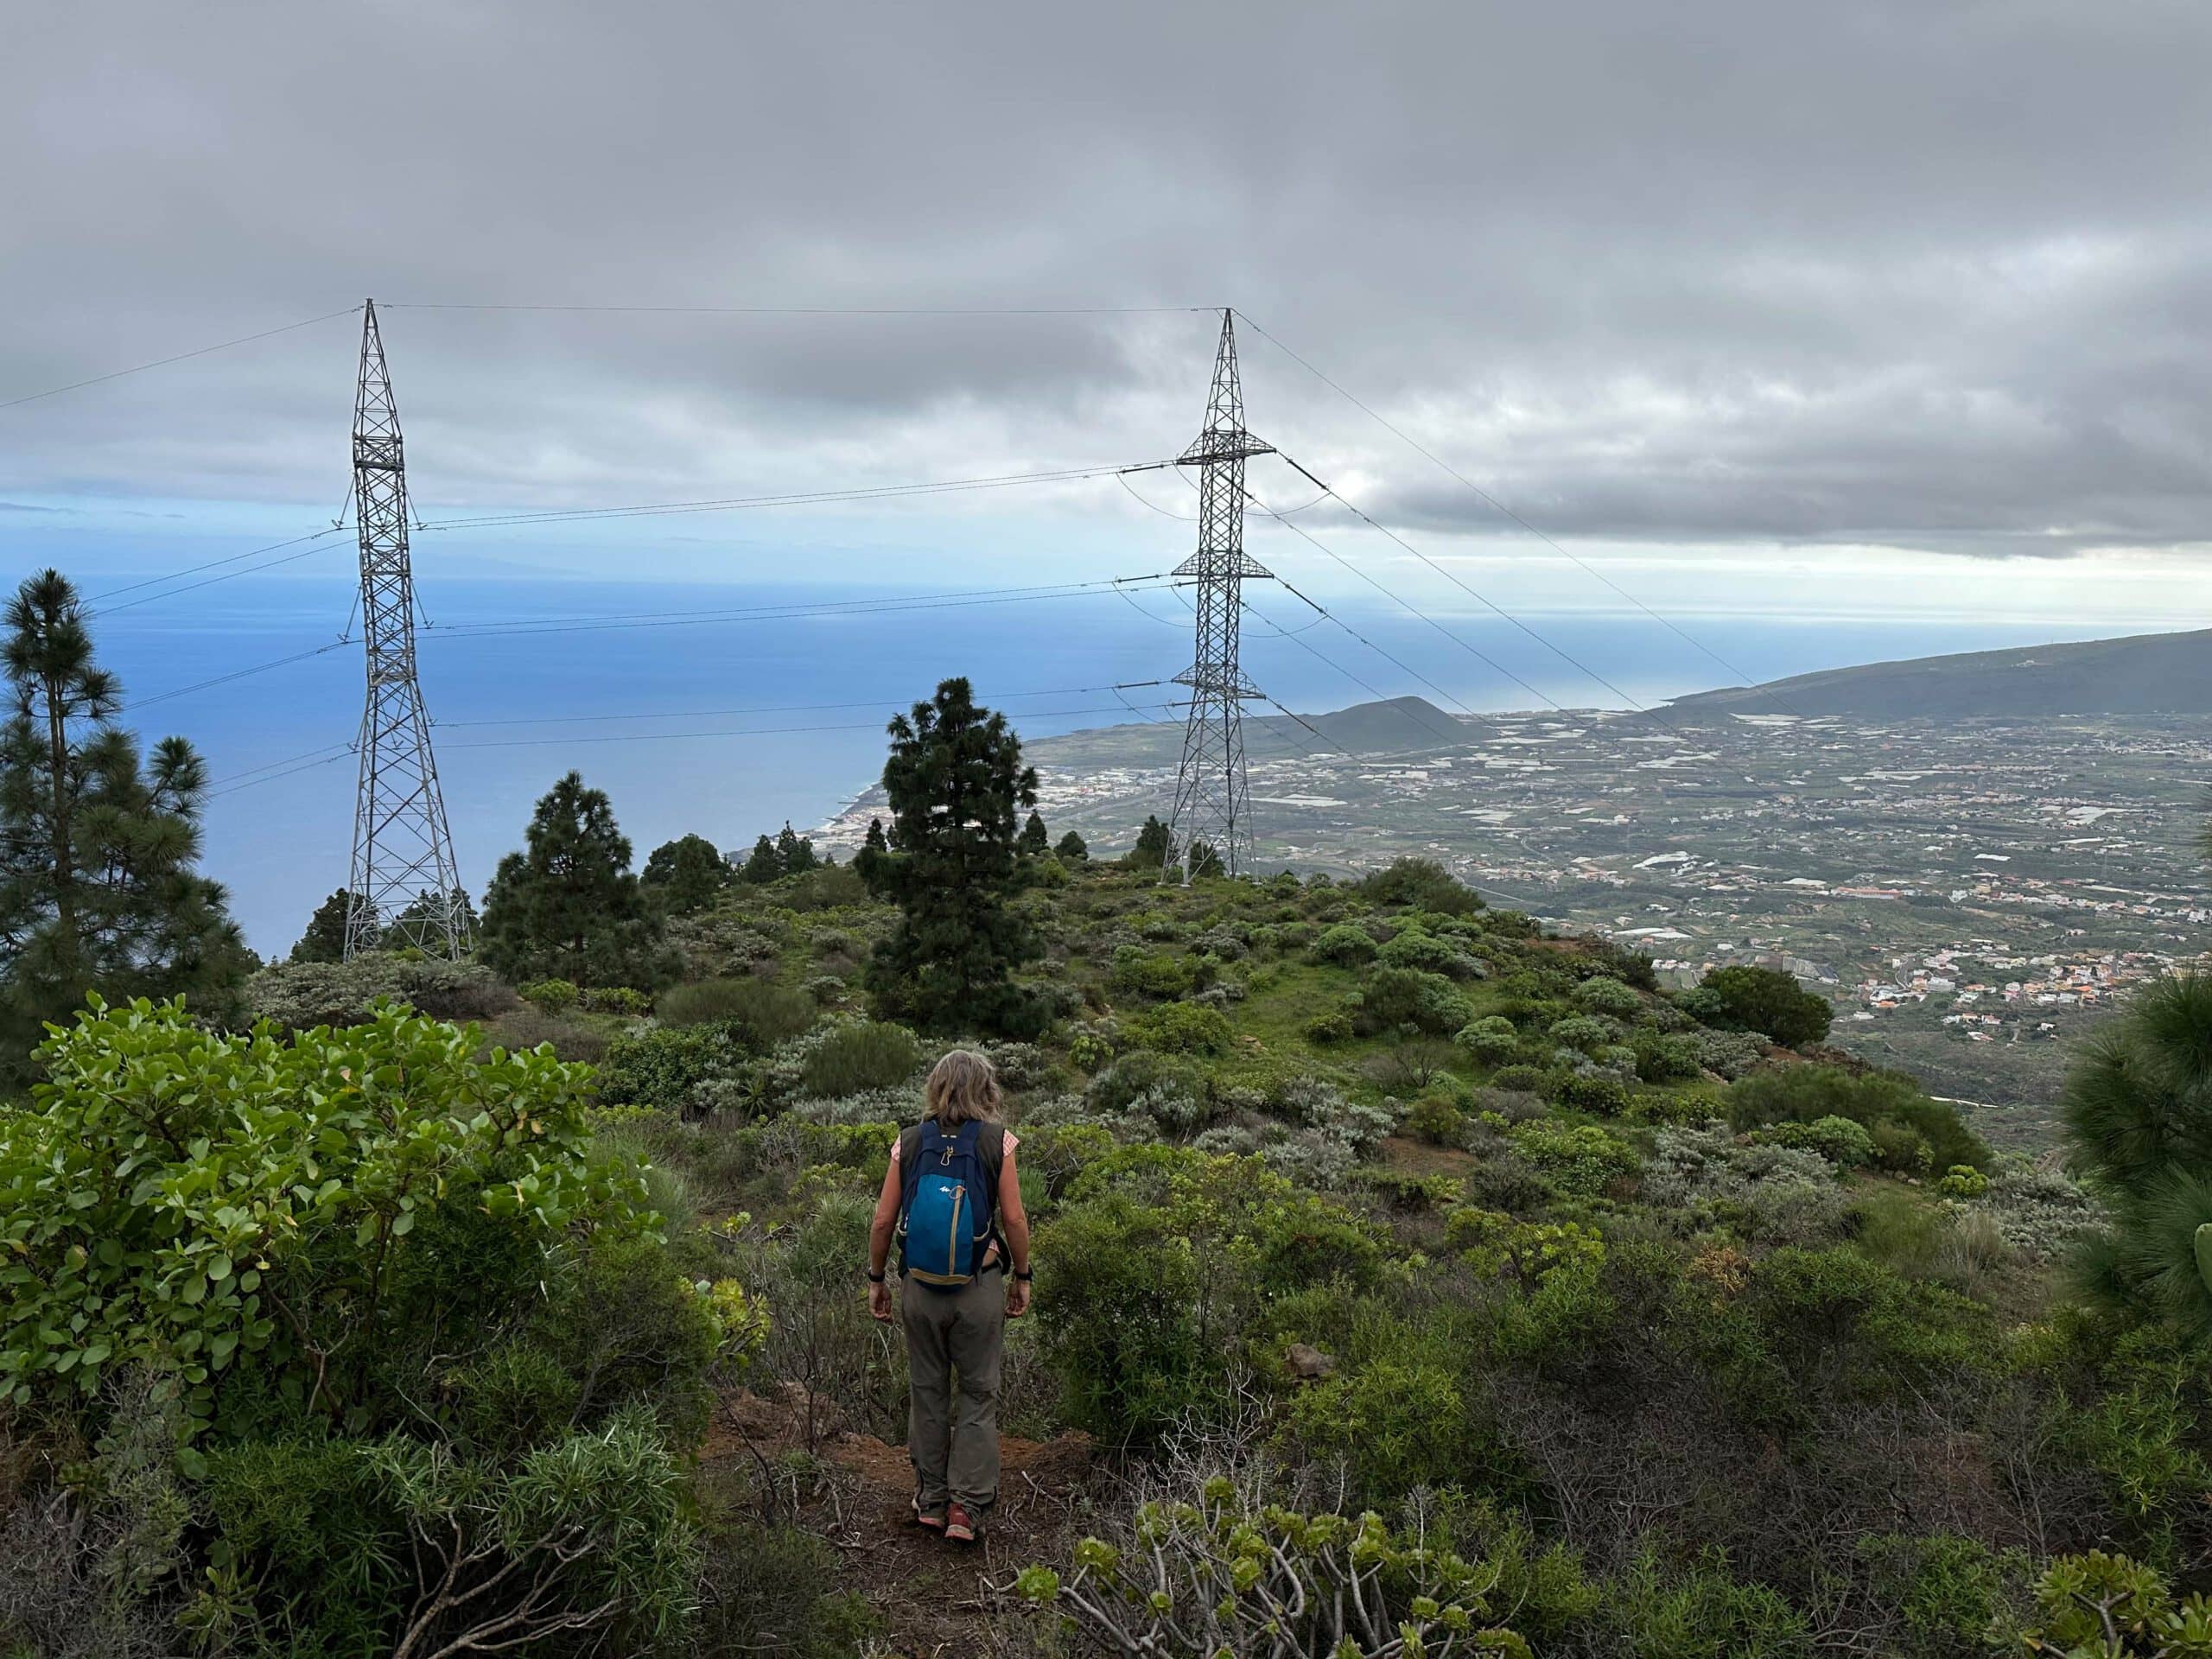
column 963, row 1086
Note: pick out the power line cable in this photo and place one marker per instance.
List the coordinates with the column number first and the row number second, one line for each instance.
column 772, row 707
column 212, row 564
column 894, row 606
column 228, row 575
column 770, row 731
column 1404, row 604
column 1404, row 437
column 817, row 310
column 135, row 704
column 809, row 498
column 1328, row 491
column 160, row 362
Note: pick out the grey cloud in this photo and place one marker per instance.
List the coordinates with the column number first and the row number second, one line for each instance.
column 1929, row 275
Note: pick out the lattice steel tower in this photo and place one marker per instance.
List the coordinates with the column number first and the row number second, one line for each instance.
column 405, row 889
column 1209, row 801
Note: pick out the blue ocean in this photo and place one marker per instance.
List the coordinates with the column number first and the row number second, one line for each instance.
column 697, row 719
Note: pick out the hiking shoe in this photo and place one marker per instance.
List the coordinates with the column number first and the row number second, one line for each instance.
column 959, row 1525
column 931, row 1517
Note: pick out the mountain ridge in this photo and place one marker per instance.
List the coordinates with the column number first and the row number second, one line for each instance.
column 2135, row 674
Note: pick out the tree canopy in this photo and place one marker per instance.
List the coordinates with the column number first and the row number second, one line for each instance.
column 99, row 888
column 568, row 907
column 686, row 874
column 325, row 938
column 955, row 783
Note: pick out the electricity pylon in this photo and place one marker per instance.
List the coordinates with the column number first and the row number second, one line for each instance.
column 404, row 888
column 1210, row 798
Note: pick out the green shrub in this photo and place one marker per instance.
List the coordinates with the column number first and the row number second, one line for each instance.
column 1841, row 1140
column 1949, row 1592
column 1665, row 1058
column 1414, row 949
column 617, row 999
column 1911, row 1132
column 664, row 1067
column 851, row 1059
column 775, row 1591
column 1583, row 1091
column 1703, row 1612
column 1579, row 1158
column 1182, row 1028
column 1158, row 974
column 1419, row 883
column 1345, row 944
column 1326, row 1028
column 553, row 995
column 2107, row 1606
column 1763, row 1000
column 1391, row 998
column 1391, row 1423
column 1901, row 1149
column 164, row 1173
column 1172, row 1088
column 301, row 995
column 1436, row 1121
column 1233, row 1579
column 1491, row 1040
column 1963, row 1181
column 1116, row 1306
column 1609, row 997
column 1581, row 1031
column 759, row 1011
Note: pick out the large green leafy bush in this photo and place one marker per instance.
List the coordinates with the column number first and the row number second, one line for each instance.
column 188, row 1201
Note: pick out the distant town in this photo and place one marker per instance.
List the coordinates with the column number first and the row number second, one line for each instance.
column 1967, row 890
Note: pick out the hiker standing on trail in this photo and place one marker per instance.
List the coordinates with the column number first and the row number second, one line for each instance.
column 951, row 1196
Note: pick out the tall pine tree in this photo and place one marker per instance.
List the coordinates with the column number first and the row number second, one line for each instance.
column 874, row 858
column 686, row 874
column 98, row 846
column 1151, row 850
column 567, row 906
column 765, row 866
column 325, row 939
column 1034, row 839
column 956, row 784
column 795, row 852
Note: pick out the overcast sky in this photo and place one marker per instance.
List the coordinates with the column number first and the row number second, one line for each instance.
column 1761, row 298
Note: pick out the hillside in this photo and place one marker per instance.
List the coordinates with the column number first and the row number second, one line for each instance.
column 1361, row 1195
column 2142, row 675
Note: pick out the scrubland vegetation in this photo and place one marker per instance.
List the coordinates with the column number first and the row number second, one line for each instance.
column 1424, row 1284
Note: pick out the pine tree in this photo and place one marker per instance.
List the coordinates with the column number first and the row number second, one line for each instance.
column 765, row 866
column 873, row 855
column 568, row 907
column 1072, row 849
column 955, row 780
column 1203, row 861
column 325, row 939
column 686, row 874
column 1151, row 850
column 97, row 846
column 795, row 852
column 1034, row 839
column 2137, row 1109
column 425, row 908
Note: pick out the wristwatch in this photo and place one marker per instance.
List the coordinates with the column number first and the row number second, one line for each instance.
column 875, row 1278
column 1025, row 1274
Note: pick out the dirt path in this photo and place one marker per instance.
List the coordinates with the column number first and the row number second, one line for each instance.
column 932, row 1595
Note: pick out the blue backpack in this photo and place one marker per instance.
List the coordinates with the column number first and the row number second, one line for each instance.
column 946, row 1222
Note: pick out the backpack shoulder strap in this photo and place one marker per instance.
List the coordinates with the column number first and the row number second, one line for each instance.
column 910, row 1159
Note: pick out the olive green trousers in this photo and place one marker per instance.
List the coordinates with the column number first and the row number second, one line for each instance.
column 955, row 1446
